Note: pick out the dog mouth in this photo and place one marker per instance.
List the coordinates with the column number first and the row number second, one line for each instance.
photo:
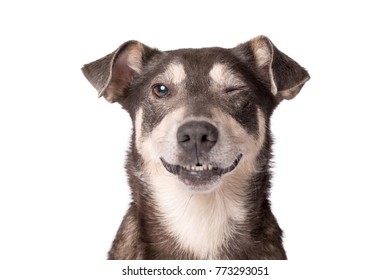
column 200, row 173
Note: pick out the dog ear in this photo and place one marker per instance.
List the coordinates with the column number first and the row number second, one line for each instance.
column 110, row 75
column 280, row 73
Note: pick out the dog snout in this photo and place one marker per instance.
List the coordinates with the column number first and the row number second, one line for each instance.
column 197, row 137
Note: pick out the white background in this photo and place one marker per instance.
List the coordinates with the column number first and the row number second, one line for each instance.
column 62, row 150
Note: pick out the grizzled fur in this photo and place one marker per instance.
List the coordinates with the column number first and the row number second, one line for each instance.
column 219, row 209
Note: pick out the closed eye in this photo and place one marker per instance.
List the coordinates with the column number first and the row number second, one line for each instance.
column 231, row 90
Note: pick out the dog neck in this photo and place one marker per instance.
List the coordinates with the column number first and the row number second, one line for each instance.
column 200, row 223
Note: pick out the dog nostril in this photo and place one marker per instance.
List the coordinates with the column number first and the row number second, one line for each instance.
column 184, row 138
column 208, row 139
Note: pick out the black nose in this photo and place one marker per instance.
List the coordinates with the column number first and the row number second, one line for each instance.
column 197, row 137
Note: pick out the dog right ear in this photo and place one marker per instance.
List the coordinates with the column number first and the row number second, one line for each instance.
column 283, row 76
column 112, row 74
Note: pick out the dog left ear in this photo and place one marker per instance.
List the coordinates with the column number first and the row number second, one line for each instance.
column 111, row 74
column 280, row 73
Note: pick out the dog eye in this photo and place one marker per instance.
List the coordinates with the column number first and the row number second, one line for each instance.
column 160, row 90
column 231, row 90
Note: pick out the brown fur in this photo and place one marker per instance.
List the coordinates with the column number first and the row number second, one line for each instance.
column 258, row 77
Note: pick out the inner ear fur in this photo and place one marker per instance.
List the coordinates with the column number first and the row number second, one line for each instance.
column 111, row 74
column 283, row 76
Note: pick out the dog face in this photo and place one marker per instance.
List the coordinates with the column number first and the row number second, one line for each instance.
column 193, row 124
column 200, row 116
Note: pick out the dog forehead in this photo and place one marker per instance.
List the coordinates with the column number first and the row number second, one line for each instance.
column 198, row 62
column 220, row 74
column 200, row 69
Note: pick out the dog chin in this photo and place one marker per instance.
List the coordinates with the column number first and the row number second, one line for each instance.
column 200, row 185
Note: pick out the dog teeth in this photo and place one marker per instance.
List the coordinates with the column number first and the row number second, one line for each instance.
column 203, row 167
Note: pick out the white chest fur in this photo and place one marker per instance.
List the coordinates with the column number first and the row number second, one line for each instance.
column 201, row 223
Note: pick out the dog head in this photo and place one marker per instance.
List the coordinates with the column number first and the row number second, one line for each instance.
column 200, row 116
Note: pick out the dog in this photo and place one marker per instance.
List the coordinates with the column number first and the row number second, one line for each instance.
column 200, row 154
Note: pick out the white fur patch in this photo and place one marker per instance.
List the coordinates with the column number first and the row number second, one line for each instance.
column 222, row 76
column 138, row 128
column 200, row 222
column 174, row 73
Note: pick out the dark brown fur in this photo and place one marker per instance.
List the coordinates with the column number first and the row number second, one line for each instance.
column 142, row 235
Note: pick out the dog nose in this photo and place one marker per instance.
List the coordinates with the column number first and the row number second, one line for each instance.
column 197, row 136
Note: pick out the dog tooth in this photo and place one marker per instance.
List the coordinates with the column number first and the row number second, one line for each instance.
column 193, row 167
column 210, row 167
column 199, row 168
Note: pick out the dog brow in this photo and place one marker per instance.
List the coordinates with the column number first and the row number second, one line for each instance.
column 223, row 76
column 174, row 73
